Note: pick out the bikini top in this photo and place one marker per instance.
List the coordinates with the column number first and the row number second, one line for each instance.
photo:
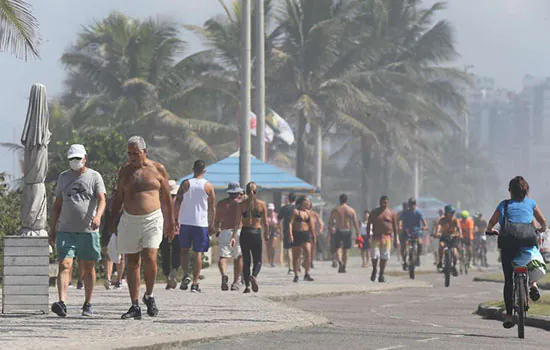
column 255, row 213
column 299, row 217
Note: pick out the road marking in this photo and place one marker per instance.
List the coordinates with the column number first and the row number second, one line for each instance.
column 392, row 347
column 415, row 321
column 427, row 340
column 457, row 336
column 396, row 317
column 433, row 325
column 388, row 305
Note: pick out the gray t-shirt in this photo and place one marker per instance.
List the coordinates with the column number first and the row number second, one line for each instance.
column 79, row 195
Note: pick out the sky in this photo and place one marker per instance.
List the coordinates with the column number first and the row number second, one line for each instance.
column 503, row 39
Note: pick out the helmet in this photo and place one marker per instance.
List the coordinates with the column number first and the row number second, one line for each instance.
column 478, row 215
column 465, row 214
column 412, row 201
column 449, row 209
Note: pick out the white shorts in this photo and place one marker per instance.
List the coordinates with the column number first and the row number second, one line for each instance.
column 224, row 245
column 136, row 232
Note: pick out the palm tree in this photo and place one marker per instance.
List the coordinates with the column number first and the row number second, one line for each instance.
column 124, row 74
column 18, row 29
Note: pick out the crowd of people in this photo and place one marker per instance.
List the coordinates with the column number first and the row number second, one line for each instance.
column 147, row 212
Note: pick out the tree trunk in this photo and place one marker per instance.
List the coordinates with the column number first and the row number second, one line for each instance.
column 366, row 161
column 301, row 167
column 318, row 131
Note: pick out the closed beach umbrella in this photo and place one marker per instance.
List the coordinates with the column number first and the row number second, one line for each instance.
column 35, row 138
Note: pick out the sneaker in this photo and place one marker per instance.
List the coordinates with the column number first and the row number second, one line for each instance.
column 172, row 283
column 439, row 266
column 254, row 284
column 70, row 285
column 405, row 267
column 290, row 272
column 508, row 322
column 134, row 312
column 79, row 285
column 381, row 279
column 87, row 310
column 296, row 279
column 308, row 278
column 234, row 287
column 246, row 290
column 107, row 284
column 225, row 281
column 185, row 282
column 534, row 293
column 334, row 264
column 152, row 309
column 118, row 285
column 373, row 275
column 195, row 288
column 454, row 271
column 59, row 308
column 272, row 265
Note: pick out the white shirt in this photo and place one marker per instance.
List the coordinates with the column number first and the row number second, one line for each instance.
column 194, row 208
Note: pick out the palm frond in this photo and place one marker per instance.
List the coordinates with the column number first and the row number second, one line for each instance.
column 18, row 29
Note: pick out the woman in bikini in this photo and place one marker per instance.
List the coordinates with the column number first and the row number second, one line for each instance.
column 252, row 216
column 301, row 236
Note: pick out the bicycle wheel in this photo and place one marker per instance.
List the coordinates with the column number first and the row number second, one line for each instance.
column 447, row 267
column 466, row 261
column 521, row 300
column 412, row 260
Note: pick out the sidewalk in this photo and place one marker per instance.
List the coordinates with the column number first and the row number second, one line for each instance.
column 185, row 317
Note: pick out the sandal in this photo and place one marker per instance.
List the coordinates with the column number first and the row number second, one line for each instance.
column 534, row 293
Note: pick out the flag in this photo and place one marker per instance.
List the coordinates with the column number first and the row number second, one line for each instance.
column 280, row 126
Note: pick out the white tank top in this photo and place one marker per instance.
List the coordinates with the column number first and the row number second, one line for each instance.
column 194, row 209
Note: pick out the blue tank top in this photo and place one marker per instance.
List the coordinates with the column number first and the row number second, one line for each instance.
column 518, row 212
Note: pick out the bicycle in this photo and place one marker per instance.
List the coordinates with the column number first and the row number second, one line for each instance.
column 412, row 246
column 520, row 299
column 462, row 258
column 447, row 259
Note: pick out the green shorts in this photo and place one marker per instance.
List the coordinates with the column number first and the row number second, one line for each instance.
column 82, row 245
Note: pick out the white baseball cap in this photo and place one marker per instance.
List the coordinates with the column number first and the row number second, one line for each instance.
column 173, row 187
column 76, row 151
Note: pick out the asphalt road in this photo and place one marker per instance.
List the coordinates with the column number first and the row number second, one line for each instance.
column 420, row 318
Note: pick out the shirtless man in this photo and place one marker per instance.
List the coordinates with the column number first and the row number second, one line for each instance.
column 340, row 222
column 142, row 185
column 196, row 208
column 226, row 217
column 383, row 222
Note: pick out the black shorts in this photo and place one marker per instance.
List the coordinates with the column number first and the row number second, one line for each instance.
column 301, row 237
column 287, row 244
column 342, row 239
column 452, row 242
column 403, row 238
column 366, row 245
column 467, row 242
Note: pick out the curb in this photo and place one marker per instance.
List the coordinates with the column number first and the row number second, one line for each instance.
column 496, row 313
column 543, row 286
column 303, row 296
column 175, row 342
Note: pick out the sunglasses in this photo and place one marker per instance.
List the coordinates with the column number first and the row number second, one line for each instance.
column 75, row 158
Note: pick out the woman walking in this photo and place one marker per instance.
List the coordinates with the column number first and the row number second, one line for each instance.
column 365, row 254
column 251, row 218
column 301, row 236
column 273, row 224
column 520, row 212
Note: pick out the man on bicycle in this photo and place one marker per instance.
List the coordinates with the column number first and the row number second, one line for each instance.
column 467, row 227
column 414, row 224
column 449, row 233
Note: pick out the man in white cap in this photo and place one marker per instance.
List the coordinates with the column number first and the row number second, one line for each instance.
column 77, row 211
column 144, row 193
column 226, row 216
column 171, row 251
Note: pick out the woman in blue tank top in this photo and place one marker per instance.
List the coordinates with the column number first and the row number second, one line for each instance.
column 519, row 210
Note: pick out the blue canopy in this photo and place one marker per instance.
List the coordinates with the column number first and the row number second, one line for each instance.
column 266, row 176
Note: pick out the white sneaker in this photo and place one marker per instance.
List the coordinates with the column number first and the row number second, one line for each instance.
column 172, row 282
column 107, row 284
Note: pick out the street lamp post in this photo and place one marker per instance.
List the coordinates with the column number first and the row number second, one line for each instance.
column 259, row 97
column 244, row 154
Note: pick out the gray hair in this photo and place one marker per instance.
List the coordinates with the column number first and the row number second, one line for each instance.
column 138, row 141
